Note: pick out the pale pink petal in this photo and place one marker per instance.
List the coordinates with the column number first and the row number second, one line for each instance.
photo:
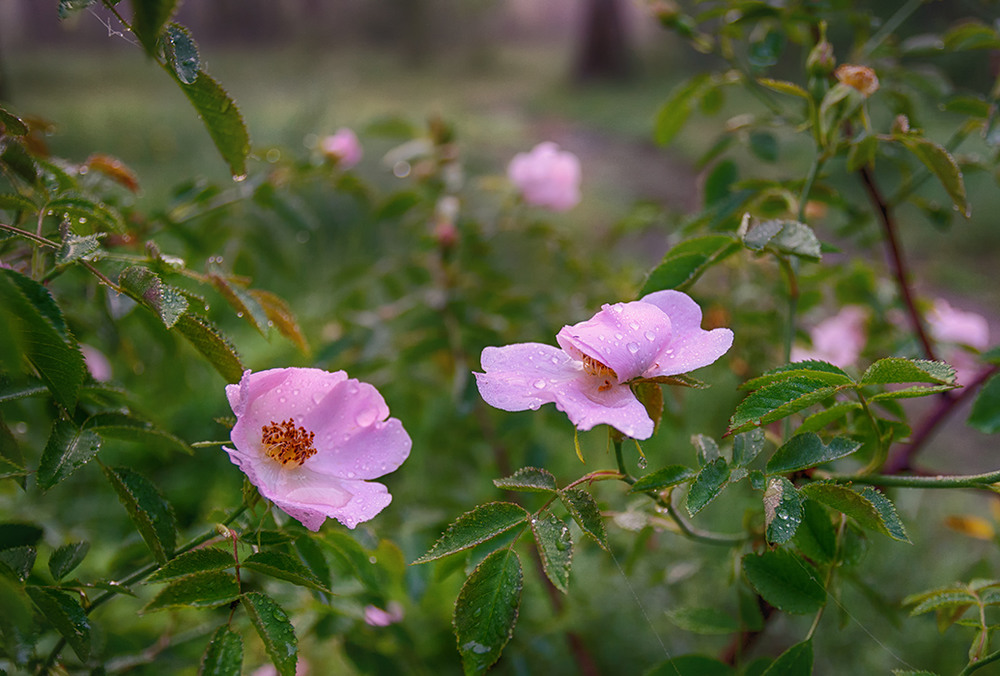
column 589, row 401
column 625, row 337
column 342, row 147
column 523, row 376
column 691, row 347
column 950, row 325
column 547, row 177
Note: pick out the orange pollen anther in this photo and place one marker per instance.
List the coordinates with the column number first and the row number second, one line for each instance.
column 287, row 443
column 596, row 368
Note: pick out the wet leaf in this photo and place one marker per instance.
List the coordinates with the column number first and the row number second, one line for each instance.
column 486, row 610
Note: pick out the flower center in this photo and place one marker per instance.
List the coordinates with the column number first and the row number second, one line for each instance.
column 287, row 443
column 596, row 368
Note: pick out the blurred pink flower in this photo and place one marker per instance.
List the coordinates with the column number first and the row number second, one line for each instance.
column 838, row 339
column 588, row 378
column 309, row 439
column 97, row 363
column 342, row 147
column 377, row 617
column 948, row 325
column 547, row 177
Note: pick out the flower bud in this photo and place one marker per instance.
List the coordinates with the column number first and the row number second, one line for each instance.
column 821, row 60
column 901, row 125
column 861, row 78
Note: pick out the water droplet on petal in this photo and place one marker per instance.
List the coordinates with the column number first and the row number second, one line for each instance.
column 555, row 360
column 650, row 336
column 618, row 336
column 539, row 384
column 642, row 462
column 634, row 326
column 633, row 347
column 365, row 417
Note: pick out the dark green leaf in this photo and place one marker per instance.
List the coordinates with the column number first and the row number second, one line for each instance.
column 796, row 661
column 19, row 535
column 475, row 526
column 43, row 337
column 813, row 369
column 19, row 559
column 195, row 561
column 747, row 446
column 784, row 237
column 145, row 286
column 782, row 510
column 224, row 654
column 222, row 119
column 862, row 153
column 213, row 346
column 315, row 560
column 970, row 34
column 68, row 449
column 148, row 18
column 240, row 300
column 941, row 164
column 11, row 123
column 950, row 598
column 64, row 613
column 19, row 161
column 985, row 415
column 719, row 183
column 691, row 665
column 685, row 262
column 150, row 512
column 17, row 626
column 83, row 210
column 555, row 548
column 677, row 108
column 707, row 621
column 816, row 536
column 11, row 458
column 807, row 450
column 207, row 589
column 668, row 476
column 283, row 567
column 821, row 419
column 764, row 145
column 486, row 610
column 900, row 370
column 777, row 401
column 76, row 247
column 585, row 512
column 712, row 478
column 529, row 479
column 66, row 558
column 353, row 558
column 274, row 629
column 910, row 392
column 706, row 449
column 785, row 581
column 972, row 106
column 128, row 428
column 860, row 506
column 182, row 53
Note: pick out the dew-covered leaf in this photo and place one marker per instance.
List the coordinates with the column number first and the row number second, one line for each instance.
column 869, row 508
column 151, row 514
column 77, row 247
column 83, row 210
column 710, row 482
column 146, row 287
column 555, row 548
column 148, row 19
column 284, row 567
column 582, row 506
column 19, row 559
column 181, row 52
column 529, row 479
column 940, row 163
column 812, row 369
column 808, row 450
column 65, row 613
column 901, row 370
column 747, row 446
column 206, row 589
column 224, row 654
column 66, row 558
column 222, row 119
column 240, row 299
column 665, row 477
column 782, row 510
column 486, row 610
column 475, row 526
column 275, row 630
column 280, row 314
column 113, row 425
column 778, row 400
column 195, row 561
column 785, row 580
column 785, row 237
column 67, row 449
column 215, row 347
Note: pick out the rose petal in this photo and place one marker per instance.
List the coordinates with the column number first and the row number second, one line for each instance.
column 520, row 377
column 625, row 337
column 691, row 346
column 587, row 405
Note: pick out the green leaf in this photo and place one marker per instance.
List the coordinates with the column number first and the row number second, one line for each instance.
column 148, row 18
column 869, row 508
column 581, row 505
column 796, row 661
column 862, row 152
column 195, row 561
column 222, row 119
column 686, row 262
column 128, row 428
column 43, row 337
column 782, row 510
column 777, row 401
column 668, row 476
column 555, row 548
column 816, row 536
column 764, row 145
column 985, row 415
column 77, row 247
column 11, row 458
column 949, row 598
column 20, row 560
column 813, row 369
column 283, row 567
column 17, row 626
column 85, row 210
column 11, row 123
column 145, row 286
column 807, row 450
column 900, row 370
column 784, row 87
column 224, row 654
column 940, row 162
column 19, row 535
column 530, row 480
column 181, row 52
column 785, row 581
column 691, row 665
column 712, row 478
column 486, row 610
column 150, row 512
column 821, row 419
column 475, row 526
column 275, row 630
column 66, row 558
column 677, row 108
column 64, row 613
column 706, row 621
column 240, row 300
column 719, row 185
column 353, row 558
column 68, row 449
column 14, row 202
column 747, row 446
column 910, row 392
column 206, row 589
column 213, row 346
column 706, row 448
column 784, row 237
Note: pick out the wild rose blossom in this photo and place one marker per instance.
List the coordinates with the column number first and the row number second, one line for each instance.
column 376, row 617
column 838, row 339
column 342, row 147
column 588, row 375
column 958, row 330
column 97, row 364
column 547, row 177
column 310, row 440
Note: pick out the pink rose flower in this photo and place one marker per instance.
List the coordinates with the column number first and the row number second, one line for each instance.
column 376, row 617
column 838, row 339
column 547, row 177
column 948, row 325
column 343, row 148
column 588, row 378
column 309, row 440
column 97, row 364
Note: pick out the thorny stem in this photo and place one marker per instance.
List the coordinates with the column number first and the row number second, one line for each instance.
column 903, row 459
column 898, row 263
column 138, row 576
column 27, row 234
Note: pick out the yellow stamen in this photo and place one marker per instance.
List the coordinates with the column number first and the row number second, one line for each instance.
column 596, row 368
column 287, row 443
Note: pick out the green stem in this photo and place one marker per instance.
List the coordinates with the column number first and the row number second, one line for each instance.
column 881, row 448
column 37, row 239
column 626, row 477
column 937, row 481
column 210, row 444
column 696, row 534
column 975, row 666
column 829, row 573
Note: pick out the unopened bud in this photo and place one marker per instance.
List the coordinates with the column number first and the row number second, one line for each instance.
column 861, row 78
column 821, row 59
column 901, row 125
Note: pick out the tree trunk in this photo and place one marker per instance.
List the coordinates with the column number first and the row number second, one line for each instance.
column 604, row 51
